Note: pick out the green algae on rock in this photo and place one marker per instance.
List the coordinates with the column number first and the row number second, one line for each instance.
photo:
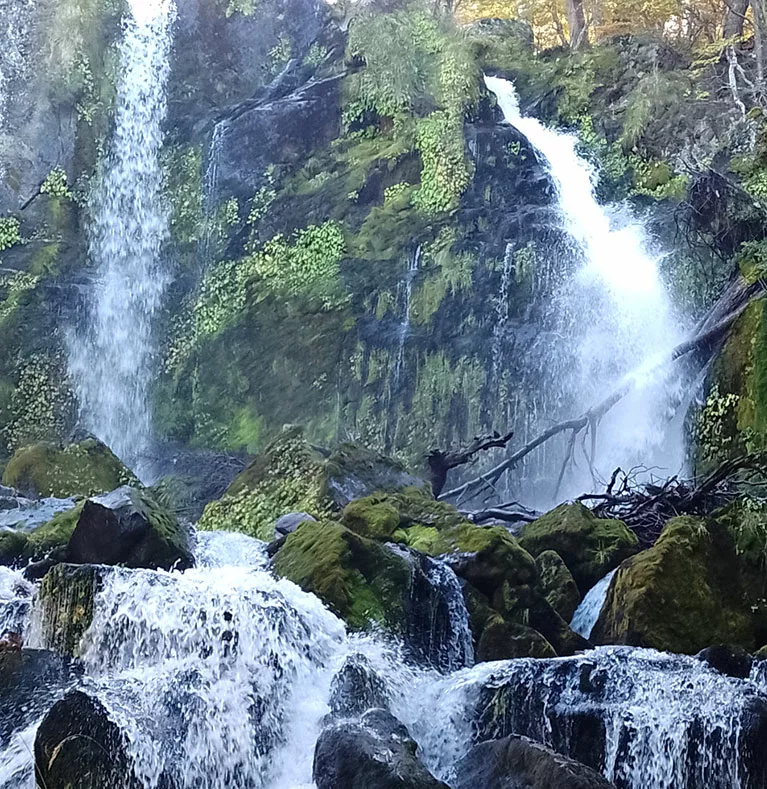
column 690, row 590
column 558, row 585
column 589, row 546
column 359, row 579
column 83, row 469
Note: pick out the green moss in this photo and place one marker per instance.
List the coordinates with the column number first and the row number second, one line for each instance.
column 557, row 583
column 12, row 544
column 360, row 580
column 52, row 535
column 681, row 595
column 507, row 640
column 10, row 234
column 372, row 517
column 287, row 477
column 589, row 546
column 82, row 469
column 420, row 538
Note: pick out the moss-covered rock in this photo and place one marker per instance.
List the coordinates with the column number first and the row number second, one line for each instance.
column 589, row 546
column 12, row 544
column 558, row 585
column 358, row 579
column 83, row 469
column 373, row 517
column 502, row 640
column 52, row 538
column 127, row 527
column 65, row 603
column 293, row 476
column 687, row 592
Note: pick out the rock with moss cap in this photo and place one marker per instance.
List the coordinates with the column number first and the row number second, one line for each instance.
column 589, row 546
column 291, row 475
column 359, row 579
column 45, row 542
column 83, row 469
column 501, row 582
column 558, row 585
column 503, row 640
column 690, row 590
column 127, row 527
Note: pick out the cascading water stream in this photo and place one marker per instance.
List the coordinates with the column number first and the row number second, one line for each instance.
column 587, row 613
column 404, row 329
column 110, row 360
column 614, row 316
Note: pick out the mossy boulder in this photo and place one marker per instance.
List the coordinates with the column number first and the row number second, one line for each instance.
column 558, row 585
column 503, row 640
column 690, row 590
column 589, row 546
column 65, row 603
column 127, row 527
column 502, row 586
column 293, row 476
column 373, row 517
column 83, row 469
column 49, row 540
column 359, row 579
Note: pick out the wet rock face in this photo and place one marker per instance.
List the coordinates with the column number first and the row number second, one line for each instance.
column 520, row 763
column 377, row 752
column 126, row 527
column 30, row 680
column 356, row 689
column 79, row 745
column 641, row 718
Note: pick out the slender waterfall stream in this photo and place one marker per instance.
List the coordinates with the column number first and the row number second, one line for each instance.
column 111, row 360
column 613, row 316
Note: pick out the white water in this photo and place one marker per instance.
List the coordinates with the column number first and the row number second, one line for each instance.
column 111, row 361
column 615, row 320
column 404, row 329
column 587, row 613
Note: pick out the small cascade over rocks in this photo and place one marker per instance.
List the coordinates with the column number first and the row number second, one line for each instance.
column 15, row 601
column 600, row 313
column 587, row 613
column 437, row 626
column 642, row 718
column 111, row 360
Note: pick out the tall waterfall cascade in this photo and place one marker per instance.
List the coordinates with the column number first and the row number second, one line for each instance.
column 111, row 360
column 614, row 318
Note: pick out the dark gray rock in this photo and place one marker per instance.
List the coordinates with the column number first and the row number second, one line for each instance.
column 30, row 680
column 79, row 745
column 287, row 524
column 356, row 689
column 732, row 661
column 127, row 527
column 375, row 753
column 516, row 762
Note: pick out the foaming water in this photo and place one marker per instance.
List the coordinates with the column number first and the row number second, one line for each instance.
column 111, row 361
column 611, row 316
column 16, row 595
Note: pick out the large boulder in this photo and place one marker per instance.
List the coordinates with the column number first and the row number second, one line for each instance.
column 691, row 590
column 589, row 546
column 516, row 762
column 293, row 476
column 360, row 580
column 376, row 752
column 127, row 527
column 79, row 745
column 83, row 469
column 356, row 689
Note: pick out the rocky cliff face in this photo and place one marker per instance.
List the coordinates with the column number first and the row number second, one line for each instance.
column 358, row 245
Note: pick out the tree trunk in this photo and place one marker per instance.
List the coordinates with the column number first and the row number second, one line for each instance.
column 734, row 18
column 576, row 19
column 759, row 32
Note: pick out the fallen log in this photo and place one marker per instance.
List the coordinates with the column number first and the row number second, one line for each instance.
column 709, row 332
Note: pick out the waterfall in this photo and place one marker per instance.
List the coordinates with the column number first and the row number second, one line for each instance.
column 111, row 359
column 15, row 601
column 502, row 310
column 613, row 315
column 587, row 613
column 404, row 329
column 209, row 185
